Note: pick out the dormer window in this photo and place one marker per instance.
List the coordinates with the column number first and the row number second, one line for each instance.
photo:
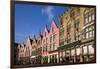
column 72, row 13
column 61, row 22
column 45, row 33
column 52, row 29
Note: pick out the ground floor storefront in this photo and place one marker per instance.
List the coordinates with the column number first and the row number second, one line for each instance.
column 53, row 57
column 79, row 53
column 24, row 60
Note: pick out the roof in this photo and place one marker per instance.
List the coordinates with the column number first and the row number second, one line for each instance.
column 31, row 41
column 55, row 23
column 47, row 28
column 16, row 45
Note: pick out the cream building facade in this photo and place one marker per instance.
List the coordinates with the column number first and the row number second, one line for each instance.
column 75, row 42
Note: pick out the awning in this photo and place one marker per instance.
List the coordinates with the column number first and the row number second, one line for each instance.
column 33, row 56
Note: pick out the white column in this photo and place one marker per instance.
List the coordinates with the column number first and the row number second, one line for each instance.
column 48, row 58
column 57, row 59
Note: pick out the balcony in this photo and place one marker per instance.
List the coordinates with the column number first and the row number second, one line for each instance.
column 88, row 40
column 68, row 46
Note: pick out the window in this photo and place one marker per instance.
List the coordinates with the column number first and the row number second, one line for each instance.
column 50, row 47
column 32, row 47
column 69, row 28
column 89, row 16
column 46, row 40
column 61, row 21
column 50, row 39
column 72, row 13
column 77, row 24
column 91, row 49
column 54, row 36
column 87, row 35
column 78, row 51
column 62, row 42
column 89, row 32
column 93, row 16
column 69, row 40
column 67, row 53
column 45, row 33
column 77, row 11
column 52, row 29
column 77, row 37
column 54, row 46
column 63, row 53
column 62, row 32
column 72, row 52
column 85, row 50
column 46, row 48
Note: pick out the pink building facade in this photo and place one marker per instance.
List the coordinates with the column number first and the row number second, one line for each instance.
column 28, row 47
column 49, row 45
column 53, row 43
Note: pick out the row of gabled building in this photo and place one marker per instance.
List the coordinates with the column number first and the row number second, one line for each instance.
column 72, row 40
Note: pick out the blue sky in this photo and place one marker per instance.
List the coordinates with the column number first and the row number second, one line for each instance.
column 31, row 19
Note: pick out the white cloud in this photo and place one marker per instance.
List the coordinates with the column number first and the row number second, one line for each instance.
column 24, row 34
column 48, row 11
column 21, row 34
